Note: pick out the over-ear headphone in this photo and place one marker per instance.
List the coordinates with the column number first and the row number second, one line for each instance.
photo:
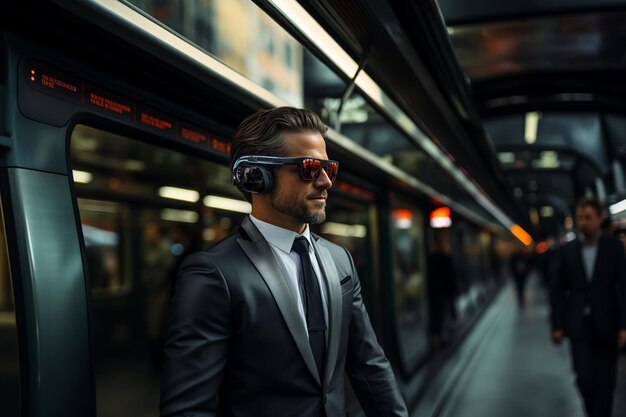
column 253, row 175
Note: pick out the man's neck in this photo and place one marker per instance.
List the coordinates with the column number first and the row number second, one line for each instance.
column 277, row 220
column 592, row 239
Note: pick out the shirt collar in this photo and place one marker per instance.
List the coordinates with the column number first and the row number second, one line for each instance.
column 280, row 237
column 583, row 241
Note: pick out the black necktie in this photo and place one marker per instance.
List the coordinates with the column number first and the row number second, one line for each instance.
column 313, row 307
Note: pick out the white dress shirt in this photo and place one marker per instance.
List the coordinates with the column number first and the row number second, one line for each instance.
column 589, row 254
column 281, row 241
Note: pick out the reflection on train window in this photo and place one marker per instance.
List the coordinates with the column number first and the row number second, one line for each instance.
column 9, row 363
column 347, row 224
column 100, row 223
column 143, row 209
column 242, row 36
column 363, row 124
column 409, row 287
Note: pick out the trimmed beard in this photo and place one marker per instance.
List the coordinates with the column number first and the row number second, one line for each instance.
column 299, row 211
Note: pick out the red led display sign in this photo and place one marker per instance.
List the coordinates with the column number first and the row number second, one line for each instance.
column 57, row 83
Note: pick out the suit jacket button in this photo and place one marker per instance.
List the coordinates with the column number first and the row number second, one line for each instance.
column 325, row 399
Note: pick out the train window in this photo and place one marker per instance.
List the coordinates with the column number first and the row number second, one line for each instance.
column 242, row 36
column 143, row 209
column 9, row 363
column 467, row 255
column 408, row 279
column 364, row 125
column 347, row 224
column 100, row 224
column 616, row 131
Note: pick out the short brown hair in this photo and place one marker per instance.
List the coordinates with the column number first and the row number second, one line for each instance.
column 589, row 201
column 261, row 132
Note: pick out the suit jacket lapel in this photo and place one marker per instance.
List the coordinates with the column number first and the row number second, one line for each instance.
column 578, row 257
column 334, row 317
column 260, row 254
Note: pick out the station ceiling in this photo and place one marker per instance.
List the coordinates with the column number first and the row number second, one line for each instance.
column 560, row 61
column 475, row 74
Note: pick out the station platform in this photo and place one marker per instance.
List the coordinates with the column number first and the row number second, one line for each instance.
column 508, row 366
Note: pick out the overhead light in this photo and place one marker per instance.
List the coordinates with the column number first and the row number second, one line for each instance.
column 546, row 211
column 369, row 86
column 183, row 216
column 316, row 34
column 534, row 216
column 346, row 230
column 506, row 157
column 547, row 160
column 82, row 177
column 182, row 194
column 521, row 235
column 134, row 165
column 229, row 204
column 617, row 207
column 530, row 130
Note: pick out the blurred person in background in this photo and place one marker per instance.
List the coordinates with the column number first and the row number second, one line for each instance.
column 519, row 265
column 442, row 290
column 588, row 295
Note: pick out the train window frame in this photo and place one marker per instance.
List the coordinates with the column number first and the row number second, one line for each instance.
column 119, row 333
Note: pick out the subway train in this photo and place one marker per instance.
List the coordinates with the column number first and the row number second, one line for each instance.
column 115, row 126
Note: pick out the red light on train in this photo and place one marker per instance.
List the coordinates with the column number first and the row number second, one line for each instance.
column 402, row 214
column 440, row 218
column 541, row 247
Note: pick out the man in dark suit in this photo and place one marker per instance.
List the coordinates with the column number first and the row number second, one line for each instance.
column 268, row 321
column 588, row 294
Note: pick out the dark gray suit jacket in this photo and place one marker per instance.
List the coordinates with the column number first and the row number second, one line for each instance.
column 237, row 347
column 604, row 295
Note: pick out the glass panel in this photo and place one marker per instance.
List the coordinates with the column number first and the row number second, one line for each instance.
column 545, row 159
column 143, row 209
column 9, row 359
column 540, row 44
column 100, row 222
column 364, row 125
column 408, row 277
column 242, row 36
column 578, row 133
column 616, row 131
column 323, row 89
column 347, row 224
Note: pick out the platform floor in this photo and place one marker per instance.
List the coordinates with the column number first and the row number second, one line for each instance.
column 508, row 366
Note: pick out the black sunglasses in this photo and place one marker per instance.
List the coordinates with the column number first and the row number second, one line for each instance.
column 309, row 169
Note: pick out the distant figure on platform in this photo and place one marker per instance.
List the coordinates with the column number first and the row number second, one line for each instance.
column 520, row 266
column 442, row 291
column 588, row 294
column 269, row 321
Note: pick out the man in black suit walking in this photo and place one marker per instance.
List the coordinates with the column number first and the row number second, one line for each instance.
column 268, row 321
column 588, row 293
